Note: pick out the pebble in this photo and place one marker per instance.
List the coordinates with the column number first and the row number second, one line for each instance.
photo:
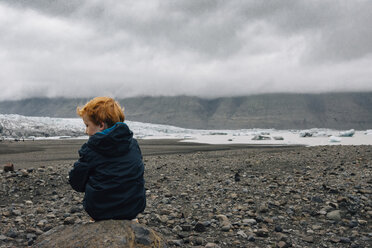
column 211, row 245
column 175, row 242
column 282, row 244
column 69, row 221
column 177, row 229
column 334, row 215
column 278, row 228
column 12, row 233
column 309, row 239
column 51, row 216
column 242, row 234
column 186, row 227
column 362, row 222
column 8, row 167
column 345, row 240
column 42, row 223
column 199, row 241
column 199, row 227
column 250, row 221
column 251, row 238
column 263, row 232
column 16, row 212
column 226, row 228
column 19, row 220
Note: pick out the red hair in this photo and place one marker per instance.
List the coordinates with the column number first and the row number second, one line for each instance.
column 102, row 109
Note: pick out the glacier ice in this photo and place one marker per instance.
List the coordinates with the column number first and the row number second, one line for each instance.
column 348, row 133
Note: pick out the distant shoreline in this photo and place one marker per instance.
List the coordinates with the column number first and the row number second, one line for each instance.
column 42, row 152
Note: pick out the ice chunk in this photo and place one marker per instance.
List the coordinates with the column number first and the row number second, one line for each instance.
column 278, row 138
column 306, row 133
column 348, row 133
column 368, row 132
column 261, row 137
column 334, row 139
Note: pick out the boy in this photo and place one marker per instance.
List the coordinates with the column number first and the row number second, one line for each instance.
column 110, row 168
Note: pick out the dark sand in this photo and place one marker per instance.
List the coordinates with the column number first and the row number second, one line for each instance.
column 42, row 152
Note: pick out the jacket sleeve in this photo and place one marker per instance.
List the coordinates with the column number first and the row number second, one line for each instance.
column 79, row 174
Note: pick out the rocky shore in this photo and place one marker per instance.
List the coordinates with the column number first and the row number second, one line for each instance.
column 260, row 197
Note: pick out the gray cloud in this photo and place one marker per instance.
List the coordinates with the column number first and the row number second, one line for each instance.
column 205, row 48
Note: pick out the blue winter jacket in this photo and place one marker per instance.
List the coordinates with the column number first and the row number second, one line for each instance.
column 110, row 172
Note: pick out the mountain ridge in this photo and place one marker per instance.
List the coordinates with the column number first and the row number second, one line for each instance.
column 280, row 111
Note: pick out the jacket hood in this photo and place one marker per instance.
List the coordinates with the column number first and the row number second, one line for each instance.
column 114, row 141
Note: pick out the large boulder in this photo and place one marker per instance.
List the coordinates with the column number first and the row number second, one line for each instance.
column 108, row 233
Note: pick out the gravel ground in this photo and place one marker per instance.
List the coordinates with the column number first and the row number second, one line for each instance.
column 257, row 197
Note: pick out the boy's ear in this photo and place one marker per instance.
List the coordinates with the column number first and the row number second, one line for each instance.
column 102, row 126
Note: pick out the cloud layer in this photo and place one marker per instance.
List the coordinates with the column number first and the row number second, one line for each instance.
column 76, row 48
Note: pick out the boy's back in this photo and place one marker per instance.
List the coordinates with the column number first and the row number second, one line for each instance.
column 110, row 172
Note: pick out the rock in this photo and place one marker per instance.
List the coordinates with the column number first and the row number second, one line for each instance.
column 317, row 199
column 31, row 236
column 108, row 233
column 334, row 215
column 51, row 216
column 211, row 245
column 242, row 234
column 282, row 244
column 8, row 167
column 69, row 221
column 334, row 240
column 251, row 238
column 3, row 237
column 19, row 220
column 12, row 233
column 352, row 224
column 199, row 241
column 175, row 242
column 345, row 240
column 177, row 229
column 263, row 232
column 41, row 223
column 308, row 239
column 199, row 227
column 263, row 208
column 362, row 222
column 226, row 228
column 75, row 210
column 224, row 223
column 222, row 218
column 186, row 228
column 23, row 173
column 237, row 177
column 16, row 212
column 278, row 228
column 250, row 221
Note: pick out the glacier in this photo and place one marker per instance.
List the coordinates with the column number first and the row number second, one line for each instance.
column 18, row 127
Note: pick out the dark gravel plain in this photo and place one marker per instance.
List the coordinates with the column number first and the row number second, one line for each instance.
column 205, row 196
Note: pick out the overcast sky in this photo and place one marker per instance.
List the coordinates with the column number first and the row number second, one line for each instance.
column 206, row 48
